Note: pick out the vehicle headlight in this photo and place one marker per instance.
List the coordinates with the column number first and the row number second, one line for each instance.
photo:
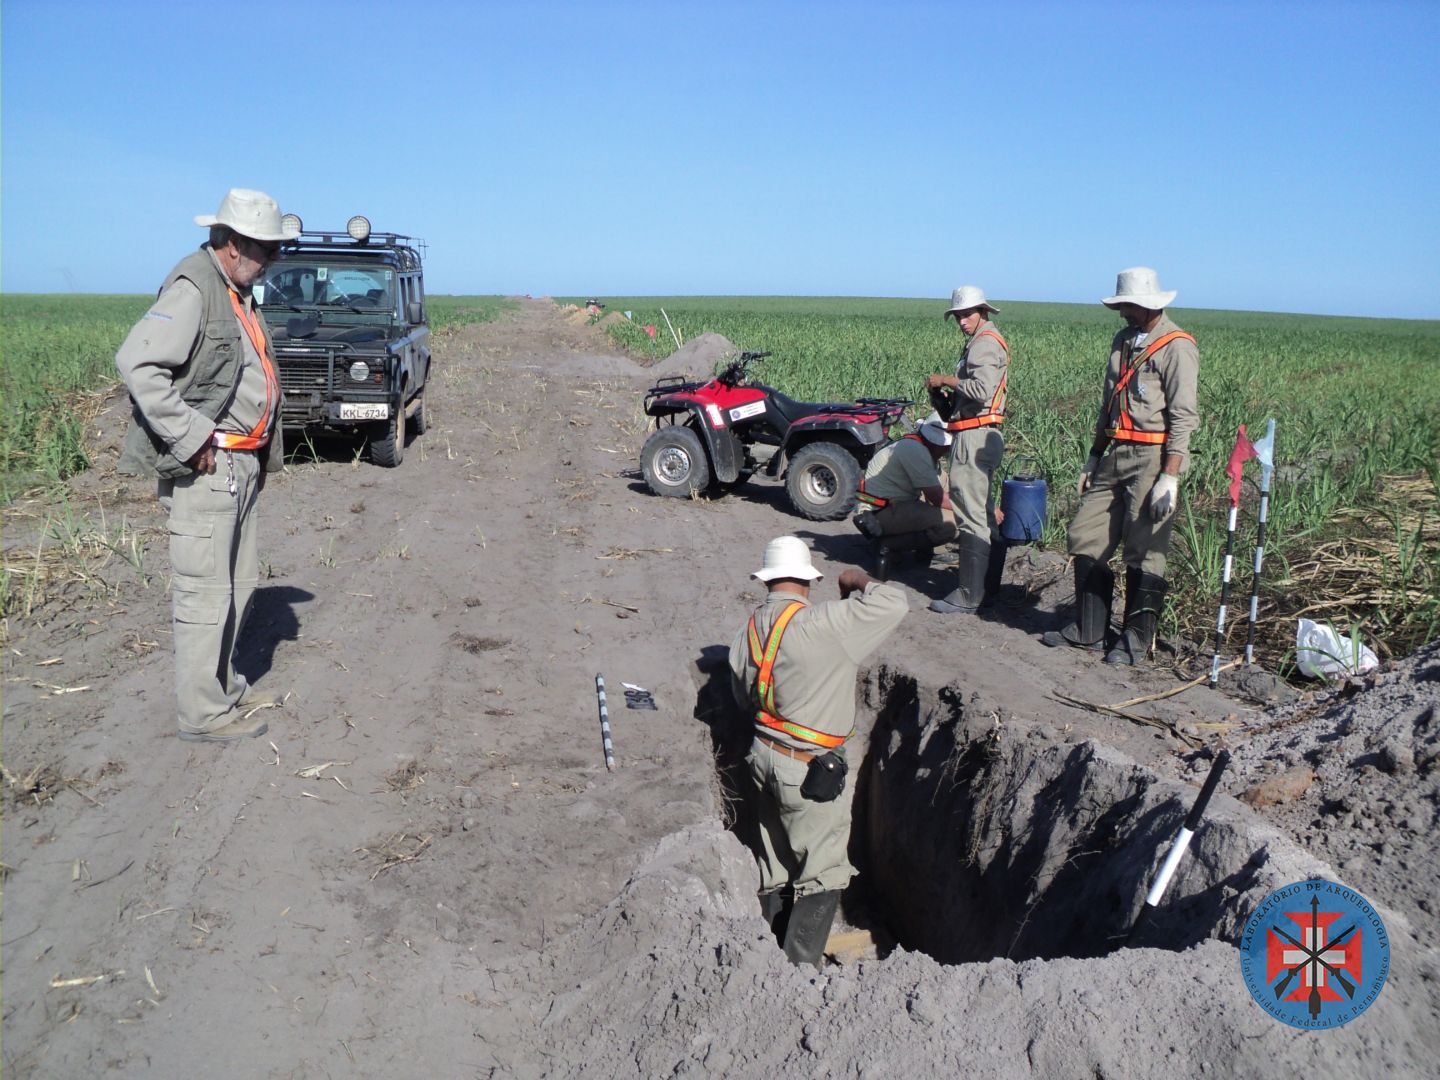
column 359, row 371
column 359, row 228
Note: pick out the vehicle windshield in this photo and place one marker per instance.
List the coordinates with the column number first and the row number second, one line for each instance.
column 306, row 283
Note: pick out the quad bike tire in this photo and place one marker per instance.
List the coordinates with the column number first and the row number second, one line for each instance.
column 674, row 462
column 822, row 481
column 387, row 444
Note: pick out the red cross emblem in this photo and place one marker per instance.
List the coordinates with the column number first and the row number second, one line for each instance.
column 1317, row 963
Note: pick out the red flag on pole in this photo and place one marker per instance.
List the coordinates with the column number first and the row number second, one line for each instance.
column 1244, row 450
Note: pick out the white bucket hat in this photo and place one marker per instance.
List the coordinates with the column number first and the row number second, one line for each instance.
column 932, row 430
column 787, row 557
column 966, row 297
column 250, row 213
column 1140, row 286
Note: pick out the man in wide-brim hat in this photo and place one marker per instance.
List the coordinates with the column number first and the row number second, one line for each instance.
column 974, row 409
column 205, row 422
column 794, row 666
column 1130, row 484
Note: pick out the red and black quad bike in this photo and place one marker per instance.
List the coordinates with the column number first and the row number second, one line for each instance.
column 713, row 436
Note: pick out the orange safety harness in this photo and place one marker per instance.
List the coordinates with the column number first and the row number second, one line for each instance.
column 995, row 411
column 875, row 500
column 260, row 434
column 1125, row 429
column 764, row 658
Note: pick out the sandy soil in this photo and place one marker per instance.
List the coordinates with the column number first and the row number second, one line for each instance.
column 425, row 869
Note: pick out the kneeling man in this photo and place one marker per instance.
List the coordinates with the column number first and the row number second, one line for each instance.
column 905, row 507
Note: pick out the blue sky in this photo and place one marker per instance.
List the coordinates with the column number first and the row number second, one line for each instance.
column 1273, row 156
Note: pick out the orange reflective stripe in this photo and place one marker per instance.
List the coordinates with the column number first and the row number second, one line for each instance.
column 764, row 658
column 995, row 411
column 872, row 500
column 259, row 435
column 799, row 731
column 1124, row 429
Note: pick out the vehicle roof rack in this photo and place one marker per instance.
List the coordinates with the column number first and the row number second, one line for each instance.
column 410, row 248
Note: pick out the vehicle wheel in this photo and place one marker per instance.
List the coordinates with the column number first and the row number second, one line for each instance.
column 821, row 481
column 674, row 462
column 387, row 443
column 420, row 422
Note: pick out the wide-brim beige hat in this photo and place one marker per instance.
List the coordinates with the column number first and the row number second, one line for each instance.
column 967, row 297
column 250, row 213
column 1140, row 286
column 787, row 557
column 932, row 430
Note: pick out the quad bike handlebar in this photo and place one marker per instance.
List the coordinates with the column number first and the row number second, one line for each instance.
column 735, row 371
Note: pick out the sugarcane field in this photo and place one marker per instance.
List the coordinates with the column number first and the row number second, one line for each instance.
column 502, row 820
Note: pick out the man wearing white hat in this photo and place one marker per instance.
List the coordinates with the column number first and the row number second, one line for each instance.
column 794, row 666
column 1128, row 495
column 205, row 421
column 904, row 507
column 974, row 400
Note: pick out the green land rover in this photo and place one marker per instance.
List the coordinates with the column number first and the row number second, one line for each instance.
column 347, row 312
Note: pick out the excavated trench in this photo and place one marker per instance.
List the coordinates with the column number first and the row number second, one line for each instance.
column 976, row 839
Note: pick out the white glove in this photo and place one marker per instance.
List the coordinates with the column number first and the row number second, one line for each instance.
column 1087, row 474
column 1163, row 497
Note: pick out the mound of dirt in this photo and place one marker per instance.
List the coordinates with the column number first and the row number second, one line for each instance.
column 1355, row 777
column 697, row 357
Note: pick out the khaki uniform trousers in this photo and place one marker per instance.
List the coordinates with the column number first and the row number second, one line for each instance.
column 929, row 524
column 803, row 843
column 1116, row 510
column 974, row 457
column 214, row 568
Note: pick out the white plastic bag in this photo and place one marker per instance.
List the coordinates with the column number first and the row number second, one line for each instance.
column 1322, row 653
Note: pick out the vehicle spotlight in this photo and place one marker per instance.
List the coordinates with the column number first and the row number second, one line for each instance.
column 292, row 223
column 359, row 228
column 359, row 371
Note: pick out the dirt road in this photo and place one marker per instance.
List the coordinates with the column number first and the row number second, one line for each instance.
column 424, row 868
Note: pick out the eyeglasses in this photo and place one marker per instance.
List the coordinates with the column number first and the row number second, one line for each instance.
column 266, row 251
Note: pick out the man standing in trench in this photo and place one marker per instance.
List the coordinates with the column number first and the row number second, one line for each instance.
column 904, row 506
column 205, row 421
column 794, row 664
column 976, row 393
column 1128, row 496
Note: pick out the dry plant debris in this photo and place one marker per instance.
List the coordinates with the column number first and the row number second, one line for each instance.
column 473, row 644
column 394, row 850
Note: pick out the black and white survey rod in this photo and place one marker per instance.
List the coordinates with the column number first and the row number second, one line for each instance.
column 1181, row 842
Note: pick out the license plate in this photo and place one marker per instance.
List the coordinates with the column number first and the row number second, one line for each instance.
column 351, row 411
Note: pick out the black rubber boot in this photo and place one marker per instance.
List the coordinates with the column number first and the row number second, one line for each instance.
column 1144, row 600
column 974, row 562
column 1094, row 591
column 994, row 569
column 809, row 928
column 866, row 523
column 775, row 909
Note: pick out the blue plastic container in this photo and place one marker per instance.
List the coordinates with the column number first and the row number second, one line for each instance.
column 1022, row 498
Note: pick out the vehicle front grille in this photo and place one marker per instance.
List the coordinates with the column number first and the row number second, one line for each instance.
column 303, row 375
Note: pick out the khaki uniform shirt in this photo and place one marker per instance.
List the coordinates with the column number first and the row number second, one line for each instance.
column 982, row 366
column 1162, row 393
column 820, row 655
column 899, row 472
column 161, row 343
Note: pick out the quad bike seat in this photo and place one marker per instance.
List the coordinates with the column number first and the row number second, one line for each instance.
column 794, row 410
